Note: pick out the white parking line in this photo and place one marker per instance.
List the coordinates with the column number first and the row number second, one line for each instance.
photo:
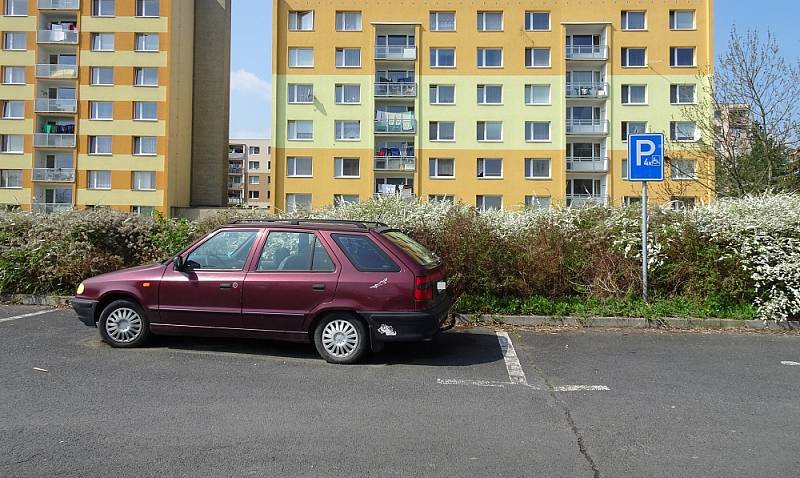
column 515, row 372
column 790, row 363
column 581, row 388
column 24, row 316
column 477, row 383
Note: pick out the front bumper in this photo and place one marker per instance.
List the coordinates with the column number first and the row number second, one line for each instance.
column 85, row 309
column 408, row 326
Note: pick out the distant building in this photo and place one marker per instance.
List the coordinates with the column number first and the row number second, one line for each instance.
column 249, row 179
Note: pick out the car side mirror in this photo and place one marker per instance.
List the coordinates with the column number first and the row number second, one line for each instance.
column 179, row 263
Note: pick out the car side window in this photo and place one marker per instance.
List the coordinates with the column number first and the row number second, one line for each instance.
column 364, row 254
column 227, row 250
column 294, row 252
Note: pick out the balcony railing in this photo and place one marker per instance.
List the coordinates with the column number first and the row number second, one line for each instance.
column 587, row 165
column 583, row 200
column 395, row 163
column 49, row 105
column 59, row 4
column 51, row 207
column 235, row 201
column 406, row 194
column 396, row 126
column 52, row 140
column 587, row 52
column 235, row 170
column 68, row 37
column 396, row 53
column 57, row 71
column 62, row 175
column 235, row 185
column 587, row 90
column 401, row 90
column 232, row 155
column 587, row 127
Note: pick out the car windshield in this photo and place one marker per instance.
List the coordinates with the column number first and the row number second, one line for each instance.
column 414, row 249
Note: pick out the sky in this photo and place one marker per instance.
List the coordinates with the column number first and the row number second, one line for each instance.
column 251, row 56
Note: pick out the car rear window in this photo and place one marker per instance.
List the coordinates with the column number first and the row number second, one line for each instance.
column 364, row 254
column 414, row 249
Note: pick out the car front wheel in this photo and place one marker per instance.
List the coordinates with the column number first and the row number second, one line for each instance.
column 341, row 339
column 123, row 324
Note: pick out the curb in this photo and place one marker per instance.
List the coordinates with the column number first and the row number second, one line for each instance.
column 623, row 322
column 27, row 299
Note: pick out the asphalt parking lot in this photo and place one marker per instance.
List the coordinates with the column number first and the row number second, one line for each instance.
column 471, row 403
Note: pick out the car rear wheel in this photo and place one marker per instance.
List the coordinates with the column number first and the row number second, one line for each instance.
column 341, row 338
column 123, row 324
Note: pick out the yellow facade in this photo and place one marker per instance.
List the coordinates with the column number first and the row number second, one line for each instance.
column 547, row 88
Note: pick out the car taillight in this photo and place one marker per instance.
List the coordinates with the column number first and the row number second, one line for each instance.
column 423, row 288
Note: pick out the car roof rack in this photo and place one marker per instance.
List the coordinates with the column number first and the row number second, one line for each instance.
column 298, row 222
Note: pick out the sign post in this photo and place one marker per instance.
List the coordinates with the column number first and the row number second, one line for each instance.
column 645, row 164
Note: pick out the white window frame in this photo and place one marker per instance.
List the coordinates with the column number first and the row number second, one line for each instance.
column 480, row 202
column 253, row 165
column 340, row 127
column 483, row 54
column 254, row 150
column 434, row 52
column 142, row 9
column 145, row 145
column 95, row 143
column 625, row 57
column 338, row 168
column 482, row 16
column 11, row 7
column 292, row 96
column 100, row 41
column 136, row 181
column 96, row 77
column 626, row 20
column 294, row 197
column 99, row 11
column 13, row 109
column 341, row 97
column 538, row 202
column 341, row 57
column 139, row 110
column 675, row 93
column 142, row 71
column 481, row 169
column 485, row 138
column 99, row 179
column 8, row 146
column 624, row 169
column 532, row 15
column 296, row 20
column 530, row 126
column 9, row 75
column 673, row 20
column 289, row 124
column 294, row 55
column 439, row 132
column 533, row 51
column 674, row 129
column 529, row 169
column 435, row 88
column 482, row 96
column 680, row 174
column 434, row 21
column 625, row 129
column 530, row 96
column 141, row 42
column 344, row 199
column 673, row 56
column 95, row 110
column 11, row 41
column 341, row 21
column 5, row 179
column 433, row 168
column 627, row 96
column 253, row 180
column 291, row 167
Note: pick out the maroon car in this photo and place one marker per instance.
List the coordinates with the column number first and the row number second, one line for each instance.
column 346, row 286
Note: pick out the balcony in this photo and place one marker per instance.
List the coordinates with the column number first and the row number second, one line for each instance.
column 235, row 201
column 406, row 194
column 235, row 170
column 235, row 185
column 587, row 52
column 59, row 4
column 587, row 90
column 57, row 71
column 235, row 155
column 52, row 140
column 395, row 163
column 587, row 165
column 587, row 127
column 586, row 200
column 63, row 37
column 396, row 90
column 402, row 53
column 54, row 175
column 49, row 105
column 51, row 207
column 396, row 126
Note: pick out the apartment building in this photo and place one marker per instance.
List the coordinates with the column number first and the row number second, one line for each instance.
column 113, row 103
column 492, row 103
column 249, row 179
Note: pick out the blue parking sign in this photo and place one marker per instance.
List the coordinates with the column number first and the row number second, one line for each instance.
column 646, row 157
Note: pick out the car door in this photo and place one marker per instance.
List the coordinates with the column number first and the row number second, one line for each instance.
column 208, row 293
column 292, row 277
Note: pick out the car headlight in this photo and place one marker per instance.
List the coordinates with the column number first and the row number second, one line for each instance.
column 81, row 287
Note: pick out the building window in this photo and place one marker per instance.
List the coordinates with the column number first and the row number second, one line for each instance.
column 145, row 145
column 13, row 109
column 347, row 130
column 348, row 94
column 633, row 127
column 441, row 168
column 254, row 150
column 348, row 21
column 100, row 144
column 490, row 131
column 300, row 130
column 344, row 199
column 443, row 57
column 15, row 41
column 147, row 8
column 103, row 8
column 632, row 20
column 348, row 57
column 537, row 94
column 14, row 75
column 298, row 201
column 297, row 94
column 681, row 56
column 301, row 57
column 634, row 94
column 682, row 203
column 443, row 21
column 102, row 75
column 537, row 131
column 490, row 57
column 683, row 169
column 252, row 165
column 447, row 198
column 16, row 8
column 298, row 167
column 301, row 21
column 682, row 94
column 681, row 20
column 99, row 180
column 143, row 210
column 537, row 57
column 254, row 180
column 488, row 203
column 11, row 143
column 443, row 94
column 537, row 202
column 490, row 94
column 682, row 131
column 145, row 76
column 537, row 21
column 490, row 168
column 144, row 181
column 253, row 195
column 537, row 169
column 102, row 42
column 624, row 167
column 101, row 110
column 629, row 201
column 147, row 42
column 442, row 131
column 634, row 57
column 490, row 21
column 145, row 110
column 346, row 167
column 10, row 178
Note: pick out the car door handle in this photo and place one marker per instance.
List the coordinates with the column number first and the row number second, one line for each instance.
column 225, row 285
column 318, row 286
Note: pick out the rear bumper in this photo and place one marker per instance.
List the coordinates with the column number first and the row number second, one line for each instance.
column 408, row 326
column 85, row 309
